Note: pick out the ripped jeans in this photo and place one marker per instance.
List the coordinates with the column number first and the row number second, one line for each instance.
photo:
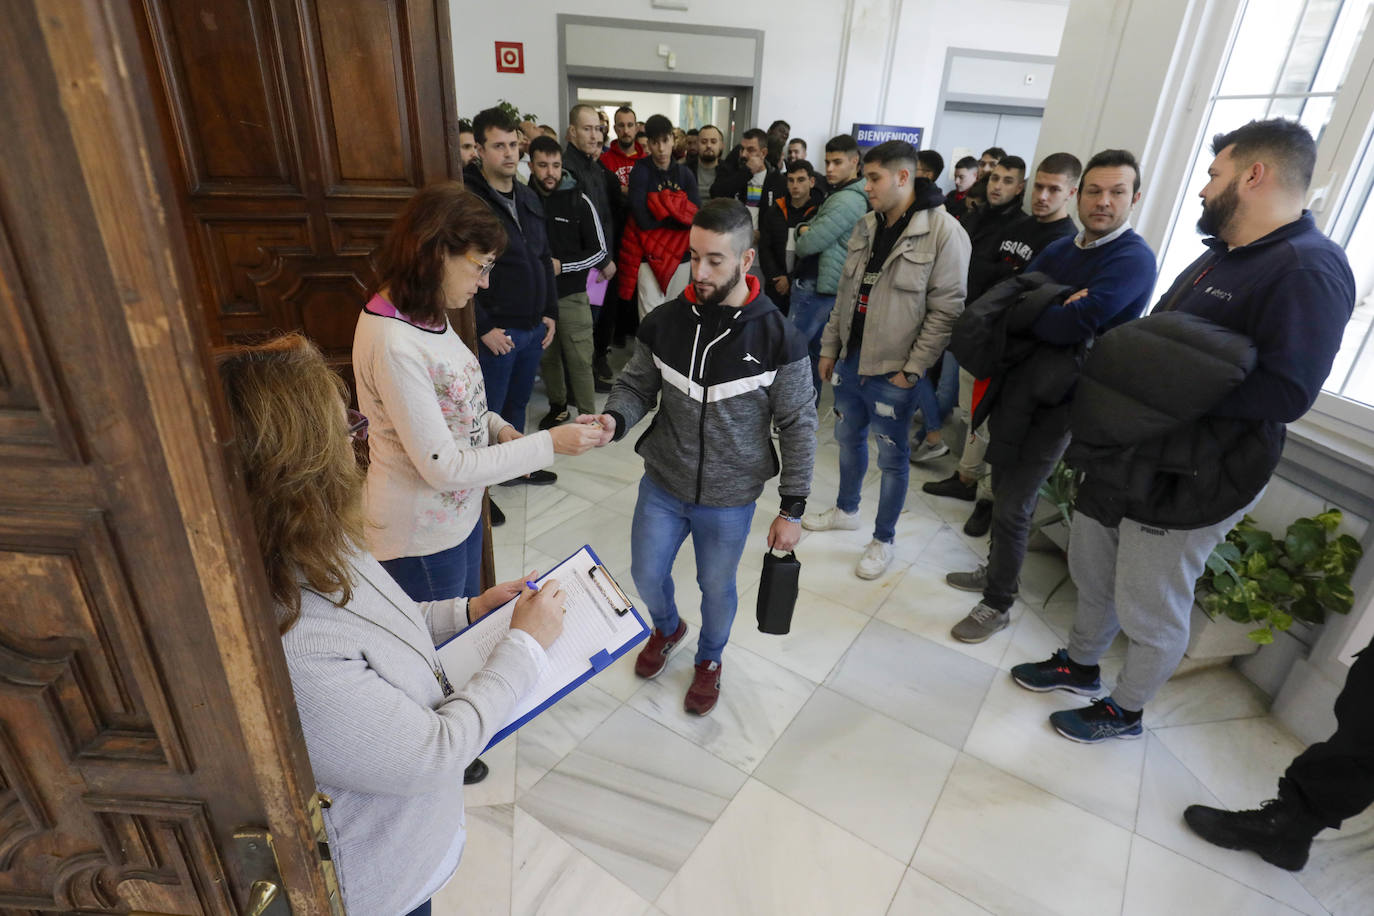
column 862, row 401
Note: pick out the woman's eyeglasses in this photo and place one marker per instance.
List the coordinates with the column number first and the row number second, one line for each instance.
column 357, row 426
column 485, row 266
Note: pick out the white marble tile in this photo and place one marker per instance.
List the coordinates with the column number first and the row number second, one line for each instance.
column 482, row 884
column 923, row 604
column 547, row 508
column 920, row 896
column 828, row 559
column 1239, row 761
column 508, row 561
column 1339, row 871
column 555, row 732
column 1166, row 789
column 499, row 786
column 821, row 632
column 1012, row 733
column 757, row 700
column 635, row 799
column 623, row 500
column 931, row 688
column 597, row 475
column 551, row 878
column 511, row 500
column 768, row 854
column 1160, row 881
column 606, row 531
column 1209, row 695
column 1013, row 848
column 1030, row 639
column 867, row 773
column 947, row 551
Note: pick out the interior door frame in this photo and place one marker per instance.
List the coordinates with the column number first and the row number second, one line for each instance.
column 586, row 77
column 985, row 104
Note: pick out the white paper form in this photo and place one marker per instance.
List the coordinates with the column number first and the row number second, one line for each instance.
column 591, row 627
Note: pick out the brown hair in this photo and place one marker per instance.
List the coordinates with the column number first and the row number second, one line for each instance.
column 292, row 437
column 439, row 221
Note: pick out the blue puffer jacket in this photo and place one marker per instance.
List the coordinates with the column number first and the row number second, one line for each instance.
column 829, row 233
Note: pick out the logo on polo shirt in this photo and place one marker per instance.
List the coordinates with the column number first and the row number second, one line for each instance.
column 1221, row 294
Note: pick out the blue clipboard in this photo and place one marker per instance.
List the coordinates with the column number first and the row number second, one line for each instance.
column 598, row 662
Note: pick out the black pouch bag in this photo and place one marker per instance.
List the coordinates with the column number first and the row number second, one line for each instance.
column 778, row 592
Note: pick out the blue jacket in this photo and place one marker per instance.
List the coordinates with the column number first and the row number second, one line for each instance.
column 828, row 233
column 1119, row 277
column 521, row 292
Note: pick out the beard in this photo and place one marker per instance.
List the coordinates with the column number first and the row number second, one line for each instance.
column 707, row 159
column 1218, row 212
column 718, row 293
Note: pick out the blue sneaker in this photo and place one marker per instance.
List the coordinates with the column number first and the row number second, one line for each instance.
column 1059, row 672
column 1098, row 722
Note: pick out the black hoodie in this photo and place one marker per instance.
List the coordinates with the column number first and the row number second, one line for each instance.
column 521, row 292
column 986, row 227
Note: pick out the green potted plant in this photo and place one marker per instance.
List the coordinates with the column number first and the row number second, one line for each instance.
column 1255, row 578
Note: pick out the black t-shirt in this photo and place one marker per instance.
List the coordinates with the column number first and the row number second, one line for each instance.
column 882, row 247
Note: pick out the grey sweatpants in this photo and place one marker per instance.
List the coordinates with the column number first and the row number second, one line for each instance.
column 1137, row 579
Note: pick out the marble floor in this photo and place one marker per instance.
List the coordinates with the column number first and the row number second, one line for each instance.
column 865, row 763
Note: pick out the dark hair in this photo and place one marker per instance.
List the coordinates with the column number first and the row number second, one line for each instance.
column 464, row 126
column 1012, row 163
column 693, row 132
column 492, row 119
column 842, row 143
column 712, row 127
column 995, row 151
column 1111, row 158
column 754, row 133
column 797, row 165
column 798, row 140
column 727, row 216
column 626, row 109
column 658, row 126
column 546, row 145
column 968, row 162
column 779, row 123
column 1062, row 164
column 931, row 160
column 440, row 220
column 893, row 152
column 1284, row 144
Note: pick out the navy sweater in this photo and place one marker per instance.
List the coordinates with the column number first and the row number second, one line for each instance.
column 1118, row 276
column 1292, row 293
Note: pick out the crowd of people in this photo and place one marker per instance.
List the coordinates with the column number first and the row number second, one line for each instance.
column 732, row 286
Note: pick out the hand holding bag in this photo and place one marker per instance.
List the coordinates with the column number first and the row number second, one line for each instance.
column 778, row 592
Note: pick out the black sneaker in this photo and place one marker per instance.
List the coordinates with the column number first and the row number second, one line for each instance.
column 498, row 518
column 558, row 413
column 532, row 479
column 1101, row 720
column 475, row 772
column 1281, row 834
column 952, row 486
column 981, row 520
column 1059, row 672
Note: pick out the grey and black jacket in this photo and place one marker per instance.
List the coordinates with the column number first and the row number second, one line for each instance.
column 721, row 377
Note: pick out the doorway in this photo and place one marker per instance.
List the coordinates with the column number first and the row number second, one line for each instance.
column 967, row 130
column 687, row 107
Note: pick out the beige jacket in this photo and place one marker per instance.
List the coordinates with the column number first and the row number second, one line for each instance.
column 913, row 306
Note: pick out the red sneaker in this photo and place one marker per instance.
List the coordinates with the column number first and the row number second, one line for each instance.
column 655, row 653
column 705, row 689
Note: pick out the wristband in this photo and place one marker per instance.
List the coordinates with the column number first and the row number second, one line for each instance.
column 787, row 518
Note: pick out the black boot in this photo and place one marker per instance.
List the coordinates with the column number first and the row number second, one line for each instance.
column 981, row 520
column 1278, row 830
column 475, row 772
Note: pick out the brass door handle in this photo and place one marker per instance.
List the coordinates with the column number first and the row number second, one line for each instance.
column 260, row 897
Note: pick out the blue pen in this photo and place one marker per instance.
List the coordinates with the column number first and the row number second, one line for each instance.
column 529, row 583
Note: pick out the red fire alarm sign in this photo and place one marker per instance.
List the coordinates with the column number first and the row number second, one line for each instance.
column 510, row 57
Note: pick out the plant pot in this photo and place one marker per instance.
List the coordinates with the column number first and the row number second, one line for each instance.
column 1220, row 638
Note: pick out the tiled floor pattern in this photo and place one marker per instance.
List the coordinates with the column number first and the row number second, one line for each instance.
column 865, row 763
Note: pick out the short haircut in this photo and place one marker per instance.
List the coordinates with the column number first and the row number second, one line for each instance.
column 996, row 152
column 798, row 165
column 492, row 119
column 779, row 123
column 967, row 162
column 929, row 159
column 727, row 216
column 464, row 126
column 842, row 143
column 578, row 109
column 892, row 153
column 546, row 145
column 797, row 140
column 438, row 221
column 1286, row 145
column 1066, row 164
column 706, row 127
column 1111, row 158
column 658, row 126
column 626, row 109
column 548, row 130
column 754, row 133
column 1011, row 163
column 693, row 132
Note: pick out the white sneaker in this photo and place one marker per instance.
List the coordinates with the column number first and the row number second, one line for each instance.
column 928, row 451
column 875, row 561
column 831, row 519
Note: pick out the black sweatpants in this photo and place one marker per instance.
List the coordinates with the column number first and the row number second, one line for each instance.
column 1334, row 780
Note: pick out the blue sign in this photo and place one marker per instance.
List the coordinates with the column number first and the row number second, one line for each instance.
column 868, row 135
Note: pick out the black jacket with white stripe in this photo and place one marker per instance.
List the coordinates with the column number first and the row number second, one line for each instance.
column 722, row 377
column 576, row 237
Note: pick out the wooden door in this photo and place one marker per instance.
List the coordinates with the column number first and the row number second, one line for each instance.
column 150, row 754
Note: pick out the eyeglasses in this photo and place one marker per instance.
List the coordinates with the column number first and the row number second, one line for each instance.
column 485, row 266
column 357, row 426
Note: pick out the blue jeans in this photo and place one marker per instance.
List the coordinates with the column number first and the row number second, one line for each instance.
column 661, row 523
column 421, row 910
column 810, row 311
column 452, row 573
column 862, row 401
column 936, row 404
column 509, row 378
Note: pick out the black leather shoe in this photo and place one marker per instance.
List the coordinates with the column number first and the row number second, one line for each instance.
column 558, row 413
column 1281, row 834
column 475, row 772
column 497, row 516
column 532, row 479
column 952, row 486
column 981, row 520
